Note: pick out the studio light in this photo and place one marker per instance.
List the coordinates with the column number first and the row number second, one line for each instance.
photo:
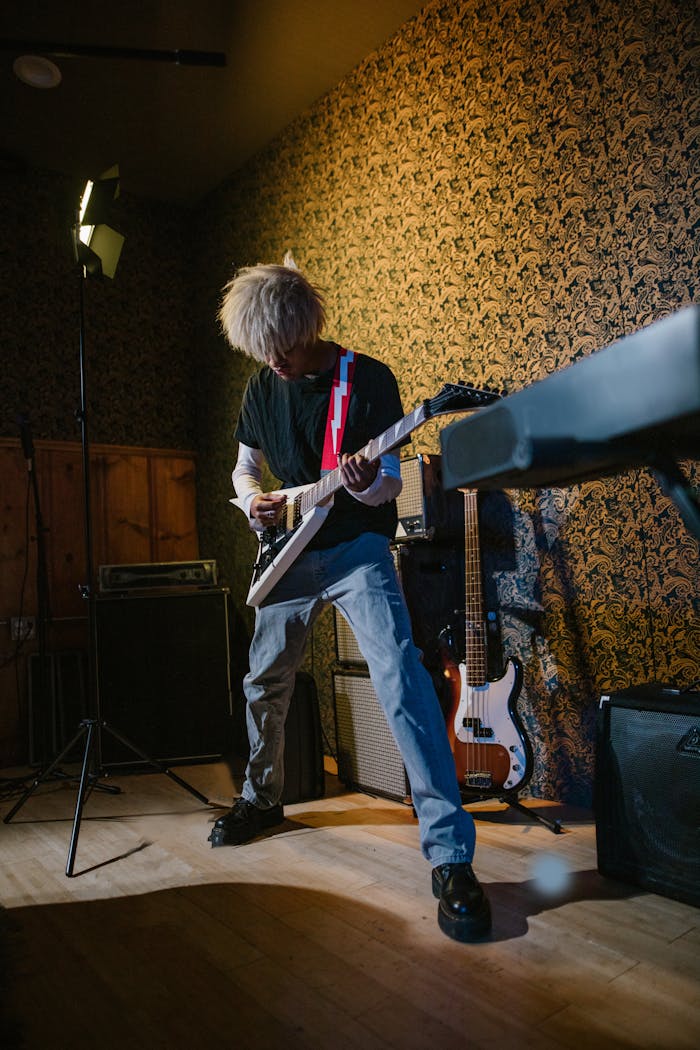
column 97, row 245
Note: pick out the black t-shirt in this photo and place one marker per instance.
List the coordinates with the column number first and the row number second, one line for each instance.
column 287, row 422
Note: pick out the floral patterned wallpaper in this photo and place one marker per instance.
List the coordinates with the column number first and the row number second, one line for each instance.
column 497, row 191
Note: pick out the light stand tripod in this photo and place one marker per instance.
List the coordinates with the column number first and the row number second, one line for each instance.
column 90, row 729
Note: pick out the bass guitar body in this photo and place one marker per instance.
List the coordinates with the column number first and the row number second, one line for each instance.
column 491, row 751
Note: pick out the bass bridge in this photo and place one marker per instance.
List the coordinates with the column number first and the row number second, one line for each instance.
column 478, row 779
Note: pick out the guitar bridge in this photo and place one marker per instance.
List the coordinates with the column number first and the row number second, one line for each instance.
column 480, row 779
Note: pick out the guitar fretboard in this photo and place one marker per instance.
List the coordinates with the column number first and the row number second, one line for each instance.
column 331, row 482
column 475, row 646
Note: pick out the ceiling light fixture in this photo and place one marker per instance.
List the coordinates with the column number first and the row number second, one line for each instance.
column 37, row 71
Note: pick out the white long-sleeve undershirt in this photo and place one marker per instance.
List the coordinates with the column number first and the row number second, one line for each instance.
column 247, row 480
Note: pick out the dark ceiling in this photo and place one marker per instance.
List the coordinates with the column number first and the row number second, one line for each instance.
column 176, row 130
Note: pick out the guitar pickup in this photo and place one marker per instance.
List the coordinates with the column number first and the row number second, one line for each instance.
column 478, row 729
column 296, row 513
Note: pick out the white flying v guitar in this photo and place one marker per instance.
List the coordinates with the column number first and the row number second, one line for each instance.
column 307, row 506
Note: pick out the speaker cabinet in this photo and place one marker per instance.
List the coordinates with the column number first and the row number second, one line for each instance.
column 164, row 676
column 647, row 790
column 347, row 651
column 368, row 756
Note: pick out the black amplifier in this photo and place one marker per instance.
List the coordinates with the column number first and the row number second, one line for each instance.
column 647, row 790
column 117, row 579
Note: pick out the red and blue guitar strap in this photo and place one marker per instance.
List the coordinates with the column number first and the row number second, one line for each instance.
column 338, row 409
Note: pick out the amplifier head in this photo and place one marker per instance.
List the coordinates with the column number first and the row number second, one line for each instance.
column 425, row 510
column 156, row 575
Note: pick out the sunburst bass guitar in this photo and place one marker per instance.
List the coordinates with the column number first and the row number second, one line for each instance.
column 492, row 753
column 308, row 506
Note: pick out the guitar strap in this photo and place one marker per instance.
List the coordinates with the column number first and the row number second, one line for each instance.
column 338, row 409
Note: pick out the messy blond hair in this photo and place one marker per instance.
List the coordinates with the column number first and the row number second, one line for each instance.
column 268, row 310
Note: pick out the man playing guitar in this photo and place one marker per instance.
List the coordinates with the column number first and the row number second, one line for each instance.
column 304, row 413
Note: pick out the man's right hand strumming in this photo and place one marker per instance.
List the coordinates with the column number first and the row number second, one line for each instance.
column 267, row 508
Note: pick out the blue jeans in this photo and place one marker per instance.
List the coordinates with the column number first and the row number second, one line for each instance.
column 359, row 578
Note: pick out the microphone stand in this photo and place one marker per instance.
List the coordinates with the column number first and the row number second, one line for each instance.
column 46, row 718
column 90, row 729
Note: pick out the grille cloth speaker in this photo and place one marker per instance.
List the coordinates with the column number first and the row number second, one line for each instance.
column 425, row 510
column 409, row 502
column 368, row 757
column 648, row 793
column 346, row 648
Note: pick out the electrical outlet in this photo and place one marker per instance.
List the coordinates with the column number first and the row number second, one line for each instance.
column 22, row 628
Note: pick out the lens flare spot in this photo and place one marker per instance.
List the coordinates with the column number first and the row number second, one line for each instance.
column 550, row 873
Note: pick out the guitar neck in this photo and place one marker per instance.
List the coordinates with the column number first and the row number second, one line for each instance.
column 331, row 482
column 475, row 645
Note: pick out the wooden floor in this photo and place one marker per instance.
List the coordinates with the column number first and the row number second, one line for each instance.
column 324, row 934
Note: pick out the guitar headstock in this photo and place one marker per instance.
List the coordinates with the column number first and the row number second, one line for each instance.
column 461, row 397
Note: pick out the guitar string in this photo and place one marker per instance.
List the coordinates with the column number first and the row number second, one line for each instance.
column 474, row 754
column 391, row 437
column 331, row 482
column 305, row 501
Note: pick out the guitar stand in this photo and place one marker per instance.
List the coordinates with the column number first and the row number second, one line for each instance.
column 552, row 823
column 89, row 777
column 512, row 800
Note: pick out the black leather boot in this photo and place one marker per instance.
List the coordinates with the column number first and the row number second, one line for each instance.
column 464, row 913
column 243, row 822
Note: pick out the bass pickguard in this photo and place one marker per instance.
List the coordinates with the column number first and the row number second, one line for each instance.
column 490, row 748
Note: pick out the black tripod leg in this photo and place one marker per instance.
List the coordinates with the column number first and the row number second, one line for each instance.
column 45, row 774
column 110, row 789
column 160, row 766
column 82, row 790
column 553, row 825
